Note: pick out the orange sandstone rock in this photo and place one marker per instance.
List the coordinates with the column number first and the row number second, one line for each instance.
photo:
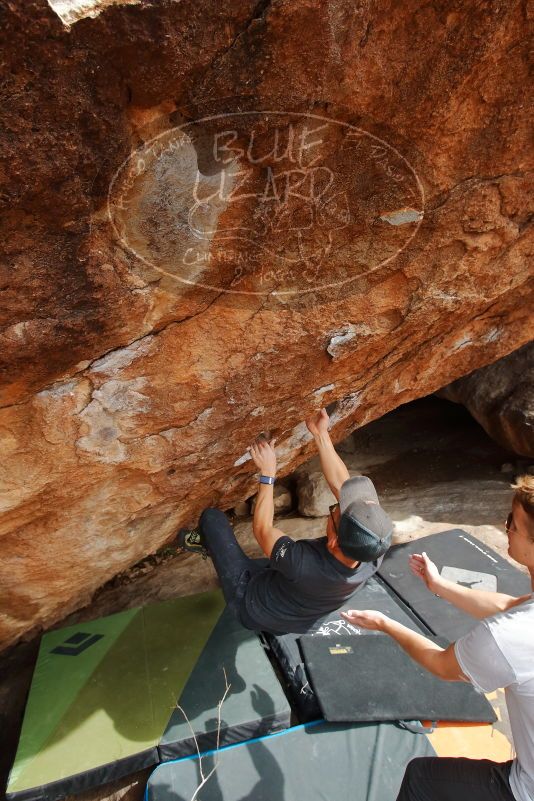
column 217, row 218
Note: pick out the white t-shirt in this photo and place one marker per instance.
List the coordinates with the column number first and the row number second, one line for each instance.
column 499, row 652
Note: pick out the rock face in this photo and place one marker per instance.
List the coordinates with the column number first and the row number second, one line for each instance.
column 501, row 398
column 217, row 218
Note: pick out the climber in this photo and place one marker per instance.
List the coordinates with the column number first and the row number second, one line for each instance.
column 497, row 652
column 304, row 579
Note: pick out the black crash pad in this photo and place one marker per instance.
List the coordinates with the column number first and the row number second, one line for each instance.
column 464, row 559
column 362, row 762
column 373, row 679
column 374, row 594
column 255, row 704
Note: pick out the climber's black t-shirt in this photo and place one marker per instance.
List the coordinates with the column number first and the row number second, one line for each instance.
column 303, row 582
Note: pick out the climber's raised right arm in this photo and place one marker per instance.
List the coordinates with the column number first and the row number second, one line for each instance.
column 334, row 469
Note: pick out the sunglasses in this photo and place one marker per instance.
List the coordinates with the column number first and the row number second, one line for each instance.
column 508, row 524
column 331, row 510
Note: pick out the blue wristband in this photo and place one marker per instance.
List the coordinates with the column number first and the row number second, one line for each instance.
column 267, row 479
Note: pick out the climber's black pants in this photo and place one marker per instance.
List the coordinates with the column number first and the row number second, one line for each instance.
column 234, row 568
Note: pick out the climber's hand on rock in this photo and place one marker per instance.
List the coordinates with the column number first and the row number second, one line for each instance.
column 318, row 422
column 264, row 456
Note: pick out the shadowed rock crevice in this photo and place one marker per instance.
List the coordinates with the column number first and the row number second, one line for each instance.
column 501, row 398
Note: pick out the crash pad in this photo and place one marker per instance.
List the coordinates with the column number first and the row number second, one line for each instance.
column 459, row 557
column 316, row 761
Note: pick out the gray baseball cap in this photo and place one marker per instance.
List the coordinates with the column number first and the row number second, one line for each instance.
column 365, row 530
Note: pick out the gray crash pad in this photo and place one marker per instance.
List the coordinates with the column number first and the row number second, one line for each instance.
column 459, row 557
column 364, row 762
column 254, row 705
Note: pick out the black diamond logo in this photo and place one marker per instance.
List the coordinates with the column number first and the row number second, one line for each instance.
column 76, row 644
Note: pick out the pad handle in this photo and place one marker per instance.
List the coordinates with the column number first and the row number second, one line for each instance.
column 417, row 727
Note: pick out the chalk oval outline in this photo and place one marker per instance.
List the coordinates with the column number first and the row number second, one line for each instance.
column 319, row 288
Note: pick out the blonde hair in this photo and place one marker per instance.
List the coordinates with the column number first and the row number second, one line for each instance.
column 524, row 495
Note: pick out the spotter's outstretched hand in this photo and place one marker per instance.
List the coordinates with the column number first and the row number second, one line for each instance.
column 366, row 619
column 425, row 569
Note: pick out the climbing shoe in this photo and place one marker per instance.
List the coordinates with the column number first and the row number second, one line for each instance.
column 191, row 540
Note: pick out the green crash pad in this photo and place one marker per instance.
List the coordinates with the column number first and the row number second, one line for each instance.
column 314, row 761
column 105, row 692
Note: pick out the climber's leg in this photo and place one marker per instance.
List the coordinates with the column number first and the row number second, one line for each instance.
column 233, row 567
